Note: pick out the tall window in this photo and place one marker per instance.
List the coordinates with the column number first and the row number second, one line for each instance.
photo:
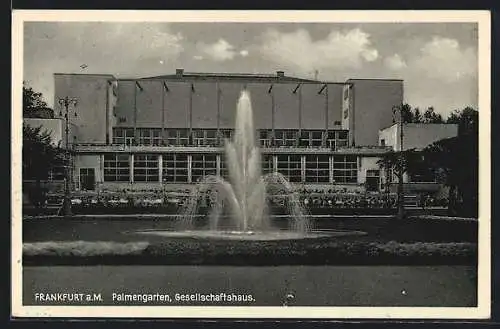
column 146, row 168
column 175, row 167
column 123, row 136
column 116, row 168
column 223, row 167
column 317, row 168
column 345, row 168
column 203, row 165
column 289, row 166
column 267, row 163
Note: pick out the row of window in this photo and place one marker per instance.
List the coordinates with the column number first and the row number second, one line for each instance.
column 212, row 137
column 175, row 167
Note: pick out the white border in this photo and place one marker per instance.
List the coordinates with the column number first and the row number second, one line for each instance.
column 482, row 311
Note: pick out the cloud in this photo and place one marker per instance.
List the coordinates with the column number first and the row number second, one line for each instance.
column 395, row 62
column 444, row 59
column 116, row 48
column 198, row 57
column 340, row 49
column 218, row 51
column 244, row 53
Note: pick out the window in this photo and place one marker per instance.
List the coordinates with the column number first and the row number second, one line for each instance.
column 372, row 180
column 123, row 136
column 290, row 138
column 316, row 138
column 267, row 163
column 175, row 167
column 279, row 138
column 87, row 179
column 346, row 93
column 290, row 167
column 304, row 139
column 382, row 142
column 336, row 139
column 183, row 137
column 146, row 168
column 203, row 165
column 345, row 169
column 172, row 137
column 265, row 138
column 317, row 168
column 225, row 134
column 116, row 168
column 149, row 136
column 224, row 172
column 198, row 137
column 211, row 137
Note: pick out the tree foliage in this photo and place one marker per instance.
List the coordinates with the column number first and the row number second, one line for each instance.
column 414, row 115
column 39, row 155
column 33, row 104
column 453, row 161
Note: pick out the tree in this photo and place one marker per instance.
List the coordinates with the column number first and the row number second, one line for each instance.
column 457, row 159
column 33, row 104
column 39, row 158
column 432, row 117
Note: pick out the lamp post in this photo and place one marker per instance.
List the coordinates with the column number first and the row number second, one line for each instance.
column 401, row 209
column 65, row 103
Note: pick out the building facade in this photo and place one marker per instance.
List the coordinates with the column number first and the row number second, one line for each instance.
column 168, row 131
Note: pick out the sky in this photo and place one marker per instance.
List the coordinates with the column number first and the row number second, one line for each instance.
column 437, row 61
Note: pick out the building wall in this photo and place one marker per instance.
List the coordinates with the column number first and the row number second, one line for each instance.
column 204, row 105
column 364, row 164
column 335, row 105
column 213, row 104
column 52, row 126
column 372, row 106
column 286, row 106
column 91, row 93
column 88, row 161
column 416, row 135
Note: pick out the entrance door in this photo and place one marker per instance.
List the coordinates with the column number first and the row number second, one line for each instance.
column 372, row 180
column 87, row 179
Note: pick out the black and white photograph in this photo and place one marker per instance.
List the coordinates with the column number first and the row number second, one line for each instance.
column 246, row 164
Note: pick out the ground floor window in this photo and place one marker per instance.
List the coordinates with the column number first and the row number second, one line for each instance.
column 372, row 180
column 345, row 168
column 317, row 168
column 203, row 165
column 116, row 168
column 87, row 179
column 290, row 167
column 146, row 168
column 175, row 167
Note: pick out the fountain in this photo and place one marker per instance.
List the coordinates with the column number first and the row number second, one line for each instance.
column 242, row 200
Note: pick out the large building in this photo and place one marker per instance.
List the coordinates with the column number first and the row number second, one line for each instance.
column 168, row 131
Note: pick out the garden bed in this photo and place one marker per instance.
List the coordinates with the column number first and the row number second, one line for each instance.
column 187, row 251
